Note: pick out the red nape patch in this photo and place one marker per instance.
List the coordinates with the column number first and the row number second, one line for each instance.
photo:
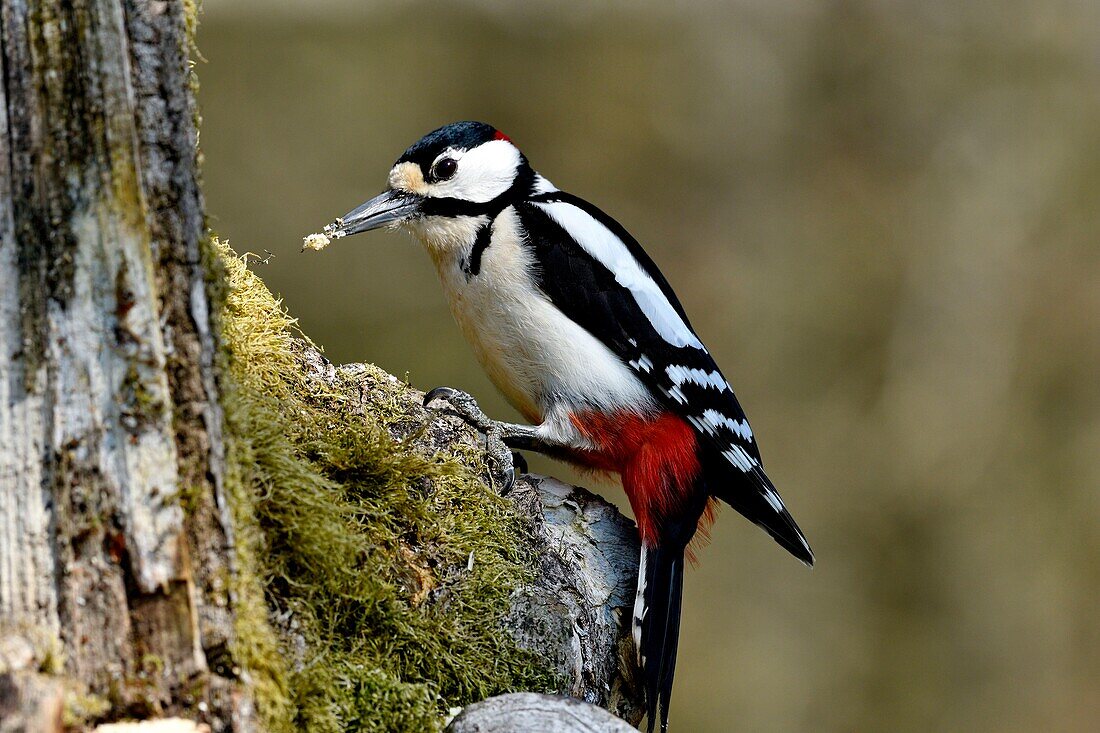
column 656, row 457
column 498, row 135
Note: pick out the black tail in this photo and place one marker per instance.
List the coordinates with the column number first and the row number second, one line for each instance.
column 657, row 606
column 657, row 625
column 661, row 575
column 754, row 496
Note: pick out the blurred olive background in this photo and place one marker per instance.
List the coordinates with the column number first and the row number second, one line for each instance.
column 883, row 217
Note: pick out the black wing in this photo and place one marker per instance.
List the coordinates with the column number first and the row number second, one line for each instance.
column 576, row 246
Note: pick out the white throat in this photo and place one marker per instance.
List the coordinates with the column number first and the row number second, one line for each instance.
column 447, row 238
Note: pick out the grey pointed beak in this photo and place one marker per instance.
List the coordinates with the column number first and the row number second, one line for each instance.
column 388, row 207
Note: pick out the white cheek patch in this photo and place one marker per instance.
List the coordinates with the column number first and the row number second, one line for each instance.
column 484, row 173
column 408, row 177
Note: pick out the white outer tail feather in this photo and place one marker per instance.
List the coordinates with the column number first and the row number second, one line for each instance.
column 640, row 607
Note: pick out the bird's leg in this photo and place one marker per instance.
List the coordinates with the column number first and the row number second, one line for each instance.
column 500, row 437
column 496, row 433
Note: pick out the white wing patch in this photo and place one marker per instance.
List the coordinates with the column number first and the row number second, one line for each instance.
column 777, row 504
column 602, row 244
column 544, row 186
column 676, row 393
column 643, row 364
column 736, row 455
column 680, row 374
column 712, row 420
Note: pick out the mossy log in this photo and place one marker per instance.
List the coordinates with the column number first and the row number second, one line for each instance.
column 373, row 517
column 572, row 612
column 200, row 516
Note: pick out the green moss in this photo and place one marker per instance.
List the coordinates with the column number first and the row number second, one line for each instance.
column 357, row 546
column 53, row 657
column 82, row 710
column 151, row 664
column 191, row 10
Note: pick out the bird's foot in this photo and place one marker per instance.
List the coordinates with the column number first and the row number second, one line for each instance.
column 502, row 461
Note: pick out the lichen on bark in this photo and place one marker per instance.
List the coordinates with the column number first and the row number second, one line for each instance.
column 100, row 332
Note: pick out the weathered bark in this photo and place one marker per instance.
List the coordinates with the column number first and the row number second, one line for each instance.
column 106, row 360
column 28, row 700
column 579, row 608
column 115, row 601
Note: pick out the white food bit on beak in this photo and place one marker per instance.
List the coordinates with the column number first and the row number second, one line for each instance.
column 316, row 242
column 335, row 230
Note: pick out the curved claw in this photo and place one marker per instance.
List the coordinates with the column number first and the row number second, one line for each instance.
column 499, row 458
column 439, row 393
column 509, row 477
column 519, row 462
column 496, row 451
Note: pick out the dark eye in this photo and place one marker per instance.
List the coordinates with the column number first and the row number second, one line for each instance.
column 444, row 169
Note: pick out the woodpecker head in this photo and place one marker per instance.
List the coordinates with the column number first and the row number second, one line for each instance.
column 461, row 172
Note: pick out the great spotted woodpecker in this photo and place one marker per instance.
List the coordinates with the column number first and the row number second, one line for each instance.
column 578, row 328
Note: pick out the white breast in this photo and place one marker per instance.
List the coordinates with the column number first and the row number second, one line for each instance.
column 545, row 364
